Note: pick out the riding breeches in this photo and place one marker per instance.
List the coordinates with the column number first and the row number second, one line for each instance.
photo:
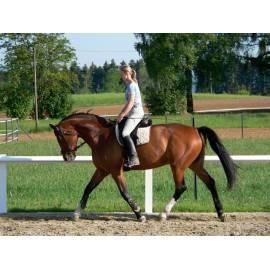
column 130, row 124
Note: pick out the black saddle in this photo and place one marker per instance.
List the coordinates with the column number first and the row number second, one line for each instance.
column 145, row 122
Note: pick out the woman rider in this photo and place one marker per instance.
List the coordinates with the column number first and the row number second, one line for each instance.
column 133, row 110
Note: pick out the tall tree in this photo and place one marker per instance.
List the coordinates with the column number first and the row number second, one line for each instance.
column 86, row 75
column 112, row 78
column 142, row 75
column 98, row 79
column 74, row 72
column 256, row 51
column 169, row 60
column 53, row 53
column 217, row 63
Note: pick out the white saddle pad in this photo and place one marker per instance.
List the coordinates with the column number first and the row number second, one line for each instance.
column 143, row 135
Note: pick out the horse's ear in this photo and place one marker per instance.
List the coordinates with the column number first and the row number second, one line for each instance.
column 52, row 126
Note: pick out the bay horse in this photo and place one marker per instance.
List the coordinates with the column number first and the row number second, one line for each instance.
column 176, row 145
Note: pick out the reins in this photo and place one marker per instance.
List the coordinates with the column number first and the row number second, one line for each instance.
column 62, row 132
column 80, row 145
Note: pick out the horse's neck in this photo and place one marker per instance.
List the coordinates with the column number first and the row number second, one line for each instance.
column 92, row 133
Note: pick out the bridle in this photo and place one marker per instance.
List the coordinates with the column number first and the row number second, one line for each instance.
column 61, row 132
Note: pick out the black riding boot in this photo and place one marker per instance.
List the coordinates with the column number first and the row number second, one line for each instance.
column 132, row 159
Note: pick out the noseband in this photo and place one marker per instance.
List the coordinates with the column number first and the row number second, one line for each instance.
column 62, row 134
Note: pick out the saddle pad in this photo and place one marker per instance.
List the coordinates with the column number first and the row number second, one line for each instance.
column 143, row 135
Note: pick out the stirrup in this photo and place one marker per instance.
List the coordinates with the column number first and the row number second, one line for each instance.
column 131, row 162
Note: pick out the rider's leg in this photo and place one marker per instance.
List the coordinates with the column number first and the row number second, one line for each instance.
column 130, row 125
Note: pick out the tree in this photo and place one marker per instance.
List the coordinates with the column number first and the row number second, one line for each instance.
column 169, row 60
column 142, row 76
column 98, row 79
column 3, row 83
column 256, row 52
column 112, row 78
column 217, row 63
column 53, row 53
column 86, row 80
column 74, row 72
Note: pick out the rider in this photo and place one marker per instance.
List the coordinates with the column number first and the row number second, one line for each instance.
column 133, row 110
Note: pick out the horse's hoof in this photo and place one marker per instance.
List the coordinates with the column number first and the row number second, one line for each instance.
column 163, row 217
column 76, row 216
column 142, row 219
column 222, row 218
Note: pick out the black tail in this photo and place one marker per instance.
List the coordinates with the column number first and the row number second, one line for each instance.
column 229, row 166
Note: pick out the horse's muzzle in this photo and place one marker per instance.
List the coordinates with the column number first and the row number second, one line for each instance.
column 70, row 156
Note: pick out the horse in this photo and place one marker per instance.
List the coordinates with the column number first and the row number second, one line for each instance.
column 177, row 145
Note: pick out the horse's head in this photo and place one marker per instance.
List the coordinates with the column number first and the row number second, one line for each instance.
column 67, row 139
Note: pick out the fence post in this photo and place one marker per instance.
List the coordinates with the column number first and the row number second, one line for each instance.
column 17, row 128
column 242, row 125
column 12, row 130
column 3, row 187
column 148, row 191
column 195, row 176
column 6, row 131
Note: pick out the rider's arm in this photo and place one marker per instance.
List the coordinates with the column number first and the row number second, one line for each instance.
column 127, row 107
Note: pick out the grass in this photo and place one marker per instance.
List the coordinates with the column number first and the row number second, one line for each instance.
column 250, row 120
column 102, row 99
column 59, row 186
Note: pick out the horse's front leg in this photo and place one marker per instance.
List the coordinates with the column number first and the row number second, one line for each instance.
column 98, row 176
column 122, row 186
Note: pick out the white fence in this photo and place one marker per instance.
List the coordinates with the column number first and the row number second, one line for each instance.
column 9, row 130
column 4, row 160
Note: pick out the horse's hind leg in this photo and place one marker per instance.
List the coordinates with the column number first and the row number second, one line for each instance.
column 98, row 176
column 180, row 187
column 211, row 185
column 122, row 186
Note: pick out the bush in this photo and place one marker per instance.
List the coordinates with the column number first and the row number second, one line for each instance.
column 243, row 92
column 18, row 103
column 163, row 101
column 55, row 99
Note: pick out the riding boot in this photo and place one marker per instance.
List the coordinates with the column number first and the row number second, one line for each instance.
column 133, row 159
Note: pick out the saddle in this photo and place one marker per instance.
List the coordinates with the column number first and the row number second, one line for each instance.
column 140, row 135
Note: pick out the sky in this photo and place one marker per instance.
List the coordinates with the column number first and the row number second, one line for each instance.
column 98, row 48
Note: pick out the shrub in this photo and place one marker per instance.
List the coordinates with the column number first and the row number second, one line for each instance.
column 163, row 101
column 18, row 102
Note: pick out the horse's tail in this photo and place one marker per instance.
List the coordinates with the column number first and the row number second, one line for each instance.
column 229, row 166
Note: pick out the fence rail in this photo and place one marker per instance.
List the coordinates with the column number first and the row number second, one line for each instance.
column 10, row 131
column 4, row 160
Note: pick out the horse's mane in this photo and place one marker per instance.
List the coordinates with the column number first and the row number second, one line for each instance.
column 93, row 117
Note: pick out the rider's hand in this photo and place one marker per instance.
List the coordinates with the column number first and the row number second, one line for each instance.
column 120, row 118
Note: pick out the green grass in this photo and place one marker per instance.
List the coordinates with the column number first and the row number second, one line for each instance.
column 103, row 99
column 29, row 126
column 250, row 120
column 88, row 100
column 59, row 186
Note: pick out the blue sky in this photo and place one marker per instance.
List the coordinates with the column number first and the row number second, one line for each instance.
column 98, row 48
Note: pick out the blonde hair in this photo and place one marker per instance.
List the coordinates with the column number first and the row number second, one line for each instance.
column 127, row 68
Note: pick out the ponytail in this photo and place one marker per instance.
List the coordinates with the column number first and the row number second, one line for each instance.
column 133, row 75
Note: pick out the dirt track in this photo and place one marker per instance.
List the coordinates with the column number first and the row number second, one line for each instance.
column 195, row 224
